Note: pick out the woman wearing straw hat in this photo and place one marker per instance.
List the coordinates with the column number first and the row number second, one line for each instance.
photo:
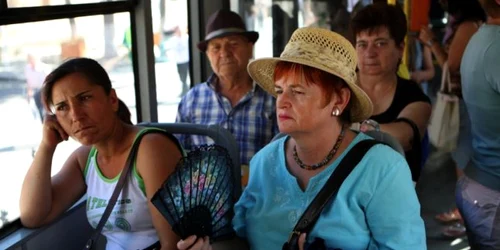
column 376, row 207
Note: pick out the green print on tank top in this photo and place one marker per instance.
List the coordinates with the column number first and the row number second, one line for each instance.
column 120, row 222
column 95, row 203
column 123, row 224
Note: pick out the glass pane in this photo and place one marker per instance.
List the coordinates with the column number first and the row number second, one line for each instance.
column 27, row 53
column 35, row 3
column 274, row 20
column 332, row 15
column 170, row 22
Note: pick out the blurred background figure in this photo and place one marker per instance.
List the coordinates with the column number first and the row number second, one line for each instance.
column 339, row 18
column 478, row 191
column 421, row 67
column 466, row 16
column 180, row 45
column 35, row 73
column 283, row 26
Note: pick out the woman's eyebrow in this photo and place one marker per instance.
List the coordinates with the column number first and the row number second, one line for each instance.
column 83, row 93
column 77, row 95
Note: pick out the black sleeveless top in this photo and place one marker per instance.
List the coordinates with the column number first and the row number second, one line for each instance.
column 407, row 92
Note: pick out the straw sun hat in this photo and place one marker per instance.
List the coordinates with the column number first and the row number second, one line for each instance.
column 321, row 49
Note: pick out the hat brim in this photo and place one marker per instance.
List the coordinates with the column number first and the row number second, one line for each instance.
column 262, row 72
column 252, row 36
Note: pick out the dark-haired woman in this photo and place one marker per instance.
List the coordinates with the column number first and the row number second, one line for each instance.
column 82, row 104
column 400, row 107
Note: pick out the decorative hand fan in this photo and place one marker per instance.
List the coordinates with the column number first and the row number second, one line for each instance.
column 197, row 199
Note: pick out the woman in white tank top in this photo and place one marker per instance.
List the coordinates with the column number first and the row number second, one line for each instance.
column 82, row 104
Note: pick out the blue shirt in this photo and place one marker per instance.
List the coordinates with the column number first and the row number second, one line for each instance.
column 375, row 208
column 252, row 120
column 480, row 71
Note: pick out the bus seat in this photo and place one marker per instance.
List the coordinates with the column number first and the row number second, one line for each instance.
column 383, row 137
column 220, row 136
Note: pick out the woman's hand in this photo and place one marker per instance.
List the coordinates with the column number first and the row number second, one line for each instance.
column 368, row 125
column 53, row 133
column 417, row 76
column 426, row 36
column 194, row 243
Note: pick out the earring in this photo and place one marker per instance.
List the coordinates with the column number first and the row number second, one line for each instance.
column 336, row 112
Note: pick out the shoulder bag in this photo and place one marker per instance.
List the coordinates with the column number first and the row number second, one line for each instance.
column 445, row 120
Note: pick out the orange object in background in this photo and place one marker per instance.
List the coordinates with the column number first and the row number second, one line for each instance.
column 156, row 38
column 73, row 48
column 419, row 14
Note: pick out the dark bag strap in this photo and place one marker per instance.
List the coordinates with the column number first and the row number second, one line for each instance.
column 332, row 185
column 415, row 159
column 119, row 186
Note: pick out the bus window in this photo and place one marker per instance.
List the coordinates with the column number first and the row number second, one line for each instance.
column 28, row 52
column 332, row 15
column 272, row 19
column 34, row 3
column 170, row 25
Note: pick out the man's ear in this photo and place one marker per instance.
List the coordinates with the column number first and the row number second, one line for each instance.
column 252, row 50
column 113, row 98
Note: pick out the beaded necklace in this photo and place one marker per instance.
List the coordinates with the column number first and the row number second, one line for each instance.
column 324, row 161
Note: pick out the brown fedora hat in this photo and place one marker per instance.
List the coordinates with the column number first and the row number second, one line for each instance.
column 225, row 23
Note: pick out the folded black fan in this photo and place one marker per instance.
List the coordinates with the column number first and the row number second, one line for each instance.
column 197, row 199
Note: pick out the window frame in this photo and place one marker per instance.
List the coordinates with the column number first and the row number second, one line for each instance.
column 142, row 50
column 143, row 61
column 52, row 12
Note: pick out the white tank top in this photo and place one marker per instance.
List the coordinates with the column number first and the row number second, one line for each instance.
column 129, row 225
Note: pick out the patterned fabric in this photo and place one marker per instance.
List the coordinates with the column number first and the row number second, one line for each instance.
column 197, row 198
column 252, row 120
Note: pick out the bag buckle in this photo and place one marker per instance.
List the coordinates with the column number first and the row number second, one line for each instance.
column 295, row 232
column 89, row 244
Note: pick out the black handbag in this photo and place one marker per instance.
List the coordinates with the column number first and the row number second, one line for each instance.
column 96, row 235
column 331, row 187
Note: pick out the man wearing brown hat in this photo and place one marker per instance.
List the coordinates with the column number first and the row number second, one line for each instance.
column 229, row 97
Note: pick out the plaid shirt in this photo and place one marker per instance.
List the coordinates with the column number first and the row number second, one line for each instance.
column 252, row 120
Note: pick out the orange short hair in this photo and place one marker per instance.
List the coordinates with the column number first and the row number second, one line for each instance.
column 329, row 83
